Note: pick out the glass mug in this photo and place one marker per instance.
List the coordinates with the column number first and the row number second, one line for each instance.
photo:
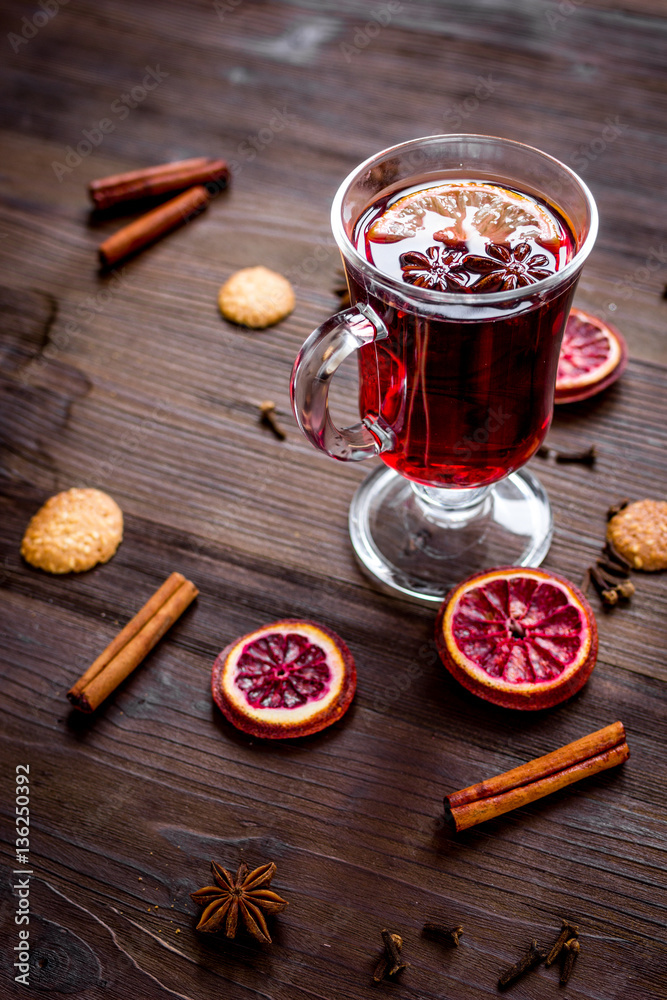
column 455, row 388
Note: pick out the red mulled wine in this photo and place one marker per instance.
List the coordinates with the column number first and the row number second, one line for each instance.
column 466, row 400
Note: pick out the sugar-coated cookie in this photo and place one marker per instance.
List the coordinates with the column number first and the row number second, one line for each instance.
column 256, row 297
column 639, row 534
column 73, row 531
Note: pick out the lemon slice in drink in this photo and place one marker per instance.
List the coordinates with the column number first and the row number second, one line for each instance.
column 463, row 211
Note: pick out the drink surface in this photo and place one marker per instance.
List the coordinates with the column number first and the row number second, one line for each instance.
column 464, row 236
column 464, row 402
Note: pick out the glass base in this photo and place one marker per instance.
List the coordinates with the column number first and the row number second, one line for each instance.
column 408, row 542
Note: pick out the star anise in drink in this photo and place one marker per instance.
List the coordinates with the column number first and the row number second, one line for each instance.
column 505, row 269
column 440, row 269
column 246, row 893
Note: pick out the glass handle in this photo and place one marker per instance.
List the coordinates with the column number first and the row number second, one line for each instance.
column 318, row 360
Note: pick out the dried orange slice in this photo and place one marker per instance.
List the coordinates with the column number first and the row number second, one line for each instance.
column 592, row 356
column 463, row 210
column 520, row 638
column 289, row 678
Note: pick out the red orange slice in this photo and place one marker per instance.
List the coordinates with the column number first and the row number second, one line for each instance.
column 592, row 356
column 521, row 638
column 289, row 678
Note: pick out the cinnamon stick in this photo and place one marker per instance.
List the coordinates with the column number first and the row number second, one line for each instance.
column 151, row 226
column 167, row 177
column 152, row 605
column 531, row 781
column 133, row 643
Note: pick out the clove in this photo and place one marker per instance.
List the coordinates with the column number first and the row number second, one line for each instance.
column 586, row 456
column 609, row 595
column 568, row 931
column 609, row 588
column 616, row 508
column 615, row 579
column 611, row 569
column 267, row 417
column 607, row 577
column 571, row 950
column 390, row 962
column 614, row 556
column 447, row 935
column 610, row 575
column 533, row 957
column 625, row 589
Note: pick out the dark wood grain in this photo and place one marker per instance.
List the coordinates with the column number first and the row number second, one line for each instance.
column 132, row 382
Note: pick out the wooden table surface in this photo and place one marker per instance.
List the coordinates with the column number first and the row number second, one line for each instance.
column 133, row 383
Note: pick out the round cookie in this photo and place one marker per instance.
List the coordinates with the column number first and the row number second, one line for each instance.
column 73, row 531
column 256, row 297
column 639, row 534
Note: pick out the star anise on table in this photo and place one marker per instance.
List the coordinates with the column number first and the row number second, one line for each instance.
column 439, row 269
column 246, row 893
column 505, row 269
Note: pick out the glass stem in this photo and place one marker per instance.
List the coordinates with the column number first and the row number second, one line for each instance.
column 451, row 506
